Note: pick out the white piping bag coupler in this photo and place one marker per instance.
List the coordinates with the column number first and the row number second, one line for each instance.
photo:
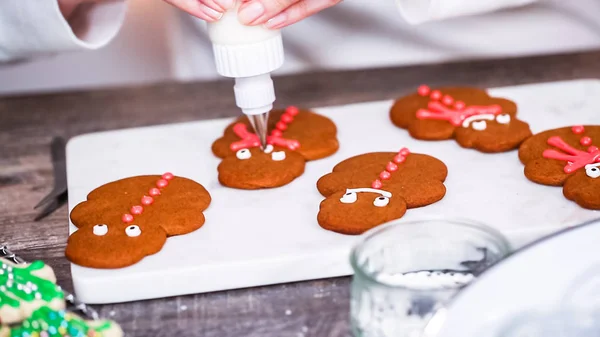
column 248, row 54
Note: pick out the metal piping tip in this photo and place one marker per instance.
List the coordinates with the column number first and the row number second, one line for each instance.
column 259, row 124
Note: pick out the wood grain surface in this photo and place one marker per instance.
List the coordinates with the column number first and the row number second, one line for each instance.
column 315, row 308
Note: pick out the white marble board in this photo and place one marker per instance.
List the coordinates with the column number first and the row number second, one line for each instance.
column 254, row 238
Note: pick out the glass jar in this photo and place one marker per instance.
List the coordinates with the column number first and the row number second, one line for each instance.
column 405, row 271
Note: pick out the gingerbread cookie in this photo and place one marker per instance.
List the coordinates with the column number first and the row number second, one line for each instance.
column 371, row 189
column 469, row 115
column 297, row 136
column 48, row 322
column 25, row 288
column 567, row 157
column 125, row 220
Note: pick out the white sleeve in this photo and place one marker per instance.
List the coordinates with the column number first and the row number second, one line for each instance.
column 30, row 28
column 419, row 11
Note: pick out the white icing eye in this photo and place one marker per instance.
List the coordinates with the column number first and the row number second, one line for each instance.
column 381, row 201
column 243, row 154
column 348, row 198
column 133, row 231
column 592, row 171
column 100, row 230
column 503, row 118
column 479, row 125
column 278, row 156
column 269, row 148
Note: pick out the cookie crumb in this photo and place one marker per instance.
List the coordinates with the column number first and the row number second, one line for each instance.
column 112, row 313
column 183, row 307
column 288, row 312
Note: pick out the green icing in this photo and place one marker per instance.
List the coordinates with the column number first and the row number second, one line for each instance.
column 46, row 322
column 19, row 284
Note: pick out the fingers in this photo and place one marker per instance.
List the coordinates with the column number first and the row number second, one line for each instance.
column 256, row 12
column 209, row 10
column 299, row 11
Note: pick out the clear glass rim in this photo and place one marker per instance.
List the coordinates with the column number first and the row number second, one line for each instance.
column 500, row 239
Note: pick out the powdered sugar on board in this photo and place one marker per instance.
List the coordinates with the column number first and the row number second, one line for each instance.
column 271, row 236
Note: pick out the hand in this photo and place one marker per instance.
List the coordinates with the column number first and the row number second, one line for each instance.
column 272, row 13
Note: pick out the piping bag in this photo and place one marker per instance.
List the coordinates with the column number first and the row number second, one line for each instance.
column 248, row 54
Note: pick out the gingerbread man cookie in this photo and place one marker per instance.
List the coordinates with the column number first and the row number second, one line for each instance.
column 297, row 136
column 125, row 220
column 371, row 189
column 567, row 157
column 54, row 323
column 469, row 115
column 25, row 288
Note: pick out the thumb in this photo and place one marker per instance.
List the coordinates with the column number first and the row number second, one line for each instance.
column 256, row 12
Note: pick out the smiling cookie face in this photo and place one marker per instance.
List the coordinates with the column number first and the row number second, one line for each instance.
column 371, row 189
column 469, row 115
column 126, row 220
column 296, row 136
column 566, row 157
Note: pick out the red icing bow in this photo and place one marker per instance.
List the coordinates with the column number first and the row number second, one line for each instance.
column 444, row 107
column 249, row 139
column 575, row 158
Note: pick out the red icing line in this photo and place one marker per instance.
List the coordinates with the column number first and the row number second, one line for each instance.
column 575, row 158
column 456, row 115
column 391, row 167
column 276, row 138
column 146, row 200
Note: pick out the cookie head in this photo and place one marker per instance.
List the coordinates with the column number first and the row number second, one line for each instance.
column 254, row 168
column 357, row 210
column 114, row 244
column 475, row 119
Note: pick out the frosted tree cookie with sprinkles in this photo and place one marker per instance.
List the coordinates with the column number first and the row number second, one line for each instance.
column 296, row 136
column 568, row 157
column 47, row 322
column 371, row 189
column 125, row 220
column 469, row 115
column 25, row 288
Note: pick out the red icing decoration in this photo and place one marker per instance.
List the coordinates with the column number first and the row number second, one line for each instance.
column 423, row 90
column 399, row 159
column 448, row 100
column 459, row 105
column 385, row 175
column 575, row 158
column 167, row 176
column 578, row 129
column 146, row 200
column 281, row 125
column 136, row 210
column 438, row 111
column 286, row 118
column 248, row 139
column 435, row 95
column 154, row 191
column 162, row 183
column 391, row 167
column 127, row 218
column 377, row 184
column 586, row 141
column 404, row 151
column 292, row 110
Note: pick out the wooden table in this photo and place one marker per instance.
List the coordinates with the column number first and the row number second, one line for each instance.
column 315, row 308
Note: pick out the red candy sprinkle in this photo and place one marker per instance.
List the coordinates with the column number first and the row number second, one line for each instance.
column 423, row 90
column 436, row 95
column 146, row 200
column 127, row 218
column 281, row 126
column 459, row 105
column 399, row 159
column 448, row 100
column 385, row 175
column 377, row 184
column 578, row 129
column 167, row 176
column 292, row 110
column 391, row 167
column 586, row 141
column 277, row 133
column 154, row 191
column 162, row 183
column 287, row 118
column 136, row 210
